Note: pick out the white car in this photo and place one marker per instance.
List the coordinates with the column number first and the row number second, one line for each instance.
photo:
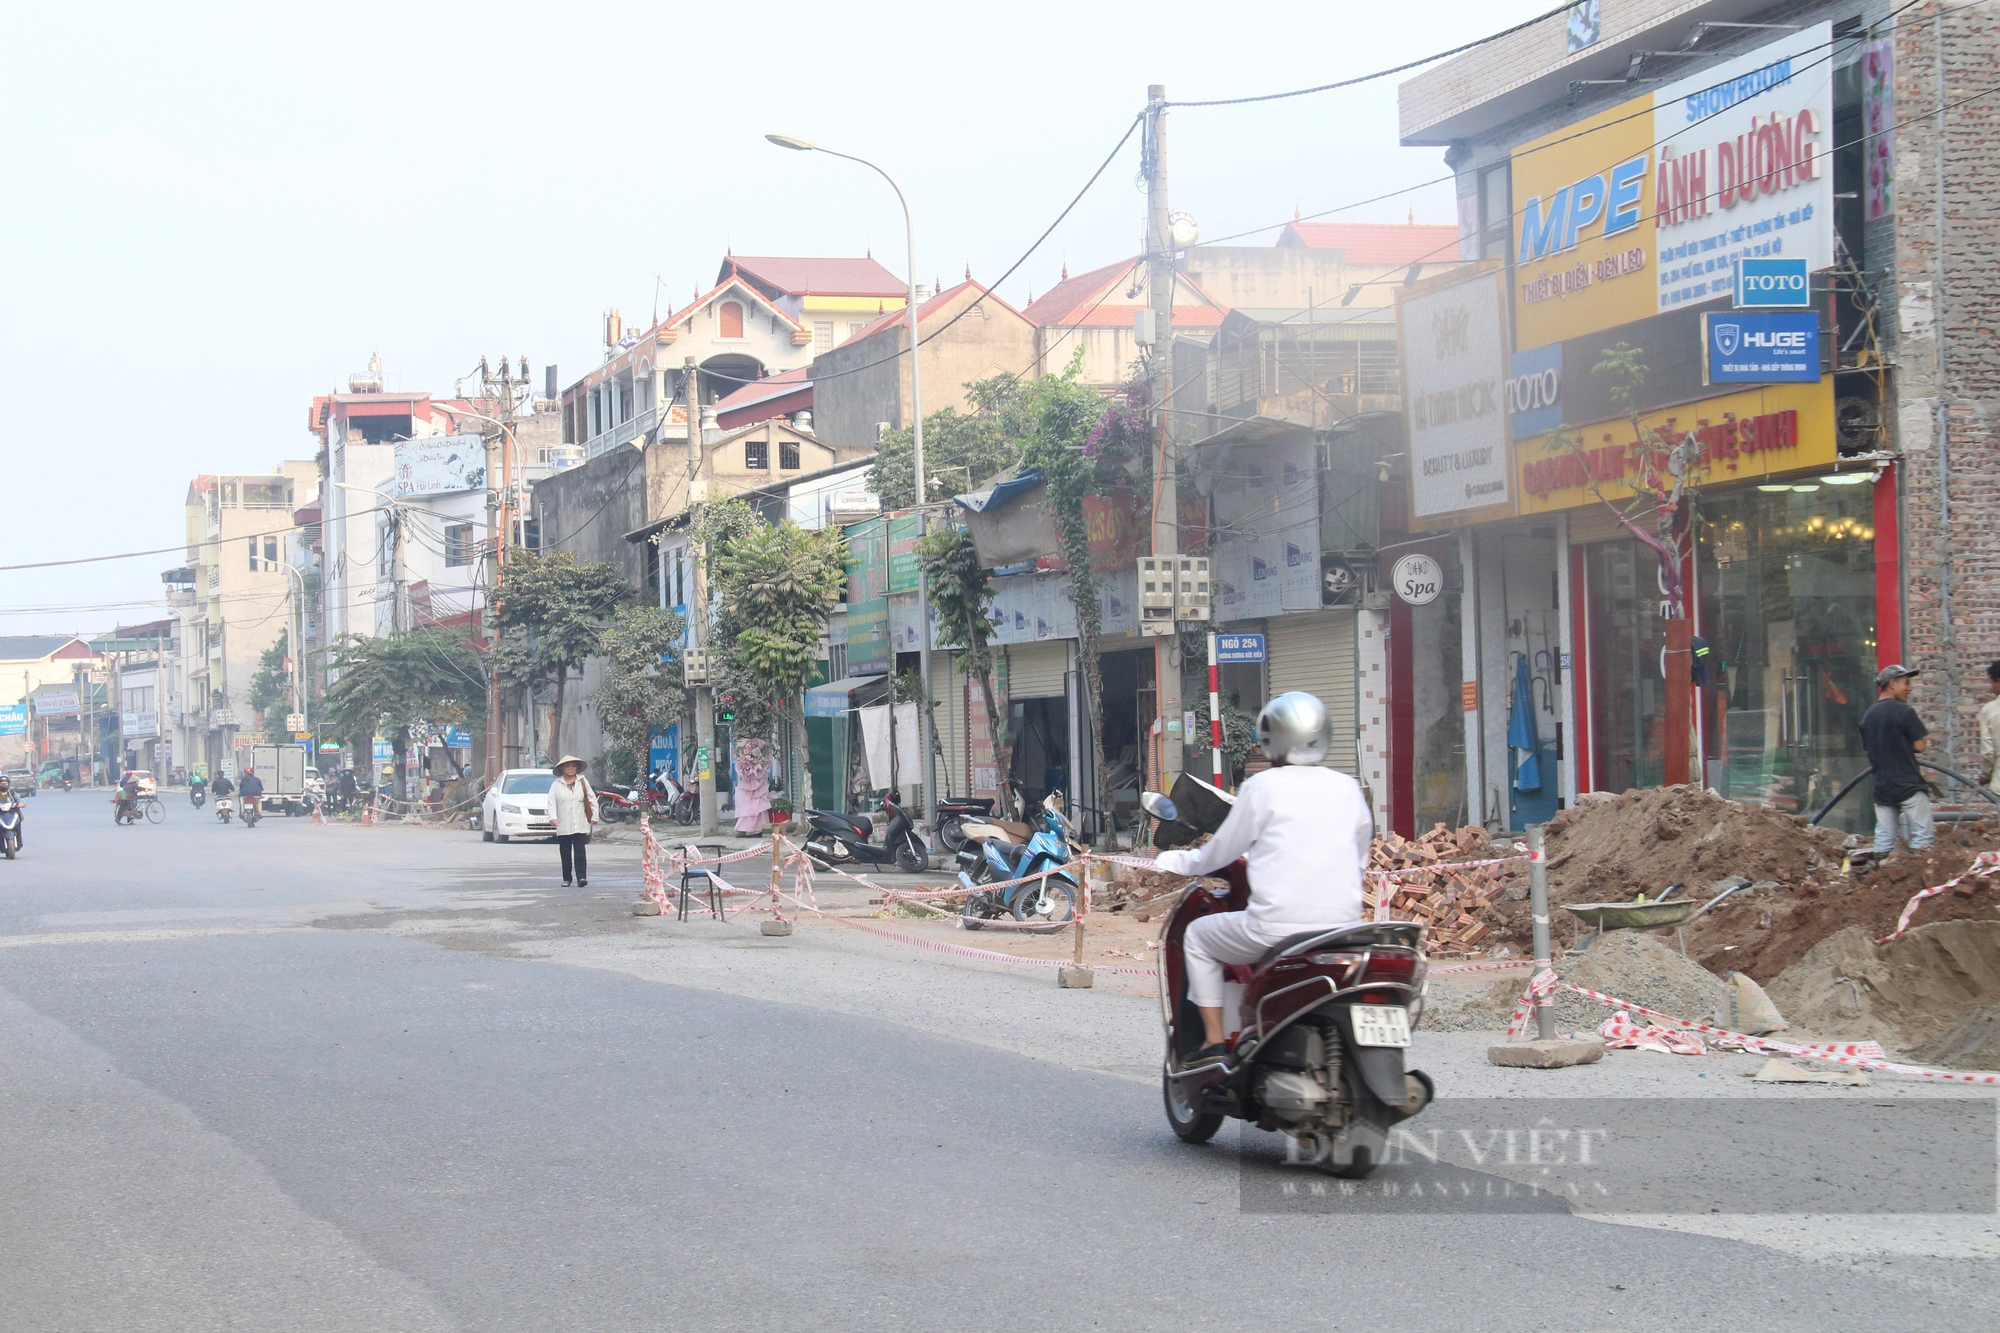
column 517, row 806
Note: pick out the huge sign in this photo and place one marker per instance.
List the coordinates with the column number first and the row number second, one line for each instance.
column 1649, row 205
column 1743, row 436
column 1760, row 347
column 439, row 464
column 1454, row 351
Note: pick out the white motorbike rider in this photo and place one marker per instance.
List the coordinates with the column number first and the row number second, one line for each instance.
column 1305, row 831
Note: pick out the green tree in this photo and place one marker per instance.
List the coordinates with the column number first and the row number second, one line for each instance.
column 558, row 608
column 962, row 598
column 398, row 683
column 778, row 585
column 961, row 449
column 271, row 687
column 642, row 691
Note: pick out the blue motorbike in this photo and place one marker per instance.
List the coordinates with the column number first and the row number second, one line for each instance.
column 1049, row 900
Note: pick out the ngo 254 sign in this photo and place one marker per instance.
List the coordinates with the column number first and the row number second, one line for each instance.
column 1454, row 351
column 1651, row 205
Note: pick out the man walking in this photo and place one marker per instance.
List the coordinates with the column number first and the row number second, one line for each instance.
column 1989, row 733
column 1894, row 735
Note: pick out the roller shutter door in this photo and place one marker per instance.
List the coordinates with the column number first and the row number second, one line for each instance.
column 1035, row 670
column 1315, row 653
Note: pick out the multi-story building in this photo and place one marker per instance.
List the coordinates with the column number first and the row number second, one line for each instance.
column 233, row 600
column 28, row 662
column 1686, row 430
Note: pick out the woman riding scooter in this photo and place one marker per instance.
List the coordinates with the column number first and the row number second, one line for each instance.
column 1304, row 831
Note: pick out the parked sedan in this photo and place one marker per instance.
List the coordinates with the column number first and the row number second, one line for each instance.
column 517, row 806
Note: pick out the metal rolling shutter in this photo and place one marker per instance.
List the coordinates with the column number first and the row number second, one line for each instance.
column 1315, row 653
column 1035, row 670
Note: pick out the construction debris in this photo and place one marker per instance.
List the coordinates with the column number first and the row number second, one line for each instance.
column 1432, row 884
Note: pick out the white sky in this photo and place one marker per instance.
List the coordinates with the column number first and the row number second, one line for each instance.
column 214, row 212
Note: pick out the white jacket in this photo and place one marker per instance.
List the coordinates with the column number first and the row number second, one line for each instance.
column 567, row 804
column 1306, row 832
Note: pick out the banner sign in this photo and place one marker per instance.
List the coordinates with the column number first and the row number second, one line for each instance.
column 13, row 719
column 1773, row 284
column 438, row 464
column 1760, row 347
column 55, row 703
column 1453, row 343
column 1649, row 206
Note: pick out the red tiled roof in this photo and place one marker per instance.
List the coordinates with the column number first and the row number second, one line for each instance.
column 821, row 277
column 783, row 382
column 1097, row 300
column 1376, row 242
column 926, row 310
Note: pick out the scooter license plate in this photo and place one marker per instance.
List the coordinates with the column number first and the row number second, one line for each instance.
column 1381, row 1025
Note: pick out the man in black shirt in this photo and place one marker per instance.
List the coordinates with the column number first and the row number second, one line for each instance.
column 1894, row 735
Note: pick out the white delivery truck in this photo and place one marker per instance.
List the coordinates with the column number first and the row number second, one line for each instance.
column 282, row 769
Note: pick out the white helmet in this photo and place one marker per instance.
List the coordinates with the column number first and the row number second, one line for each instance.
column 1293, row 729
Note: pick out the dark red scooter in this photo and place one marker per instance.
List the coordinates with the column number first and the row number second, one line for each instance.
column 1316, row 1027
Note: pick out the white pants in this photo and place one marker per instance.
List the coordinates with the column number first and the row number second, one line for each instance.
column 1224, row 937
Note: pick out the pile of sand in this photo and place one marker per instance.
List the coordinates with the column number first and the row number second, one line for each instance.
column 1628, row 964
column 1930, row 994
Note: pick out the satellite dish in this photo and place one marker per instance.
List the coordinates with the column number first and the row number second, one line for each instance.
column 1181, row 230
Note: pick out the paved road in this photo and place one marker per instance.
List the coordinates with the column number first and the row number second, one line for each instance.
column 214, row 1114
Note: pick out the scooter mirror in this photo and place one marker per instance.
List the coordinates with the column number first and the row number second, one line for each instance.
column 1158, row 806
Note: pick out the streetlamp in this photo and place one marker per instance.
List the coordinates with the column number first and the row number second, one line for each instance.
column 793, row 142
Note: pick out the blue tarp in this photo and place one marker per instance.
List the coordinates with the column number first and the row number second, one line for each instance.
column 1000, row 493
column 1521, row 732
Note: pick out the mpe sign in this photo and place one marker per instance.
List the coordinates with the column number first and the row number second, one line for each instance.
column 1772, row 284
column 1747, row 347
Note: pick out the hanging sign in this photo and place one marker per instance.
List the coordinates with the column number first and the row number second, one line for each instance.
column 1418, row 579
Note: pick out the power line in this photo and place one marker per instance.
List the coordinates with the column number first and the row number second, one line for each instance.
column 1563, row 8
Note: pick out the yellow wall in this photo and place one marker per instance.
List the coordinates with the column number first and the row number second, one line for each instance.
column 868, row 306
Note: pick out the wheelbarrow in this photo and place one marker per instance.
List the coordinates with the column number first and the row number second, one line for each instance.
column 1662, row 911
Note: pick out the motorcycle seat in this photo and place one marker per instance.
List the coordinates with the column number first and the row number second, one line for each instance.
column 981, row 805
column 1011, row 852
column 1360, row 935
column 852, row 825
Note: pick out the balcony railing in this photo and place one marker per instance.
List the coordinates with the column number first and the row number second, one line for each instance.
column 623, row 433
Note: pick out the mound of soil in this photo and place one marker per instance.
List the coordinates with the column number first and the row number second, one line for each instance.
column 1628, row 964
column 1923, row 994
column 1612, row 848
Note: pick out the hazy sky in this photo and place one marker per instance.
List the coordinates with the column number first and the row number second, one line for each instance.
column 214, row 212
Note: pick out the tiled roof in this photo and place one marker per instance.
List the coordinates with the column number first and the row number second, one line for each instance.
column 1376, row 242
column 32, row 647
column 1097, row 299
column 820, row 277
column 784, row 382
column 926, row 310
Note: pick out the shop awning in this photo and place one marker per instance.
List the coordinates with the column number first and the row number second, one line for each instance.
column 831, row 699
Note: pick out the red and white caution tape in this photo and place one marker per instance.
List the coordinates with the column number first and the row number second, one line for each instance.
column 966, row 951
column 1620, row 1032
column 1500, row 966
column 1845, row 1053
column 1984, row 866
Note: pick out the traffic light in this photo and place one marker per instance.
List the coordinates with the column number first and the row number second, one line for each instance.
column 725, row 708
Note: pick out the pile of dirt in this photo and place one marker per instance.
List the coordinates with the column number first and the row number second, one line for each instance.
column 1923, row 994
column 1794, row 892
column 1628, row 964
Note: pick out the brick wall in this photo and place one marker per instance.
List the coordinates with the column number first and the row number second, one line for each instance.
column 1948, row 566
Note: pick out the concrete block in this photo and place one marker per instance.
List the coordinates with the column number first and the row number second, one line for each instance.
column 775, row 927
column 1075, row 978
column 1555, row 1053
column 645, row 907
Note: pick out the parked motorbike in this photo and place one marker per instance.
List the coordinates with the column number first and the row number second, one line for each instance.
column 1050, row 899
column 1316, row 1027
column 617, row 804
column 672, row 801
column 836, row 839
column 10, row 824
column 225, row 809
column 953, row 814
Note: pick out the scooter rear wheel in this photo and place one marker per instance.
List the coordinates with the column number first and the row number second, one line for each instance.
column 1191, row 1124
column 910, row 858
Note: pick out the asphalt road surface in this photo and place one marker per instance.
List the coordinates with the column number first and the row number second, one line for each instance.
column 215, row 1113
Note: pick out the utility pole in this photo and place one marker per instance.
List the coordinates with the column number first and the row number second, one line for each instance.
column 704, row 694
column 501, row 506
column 1166, row 497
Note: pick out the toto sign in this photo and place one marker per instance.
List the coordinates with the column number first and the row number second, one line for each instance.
column 1772, row 284
column 1534, row 391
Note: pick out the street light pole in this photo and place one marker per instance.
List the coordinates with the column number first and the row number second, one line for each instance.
column 917, row 462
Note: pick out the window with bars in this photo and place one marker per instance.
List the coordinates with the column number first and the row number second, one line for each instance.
column 855, row 326
column 757, row 454
column 788, row 455
column 823, row 335
column 458, row 544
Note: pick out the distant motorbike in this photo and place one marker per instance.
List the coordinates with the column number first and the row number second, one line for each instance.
column 1049, row 899
column 836, row 839
column 197, row 797
column 10, row 824
column 225, row 809
column 252, row 812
